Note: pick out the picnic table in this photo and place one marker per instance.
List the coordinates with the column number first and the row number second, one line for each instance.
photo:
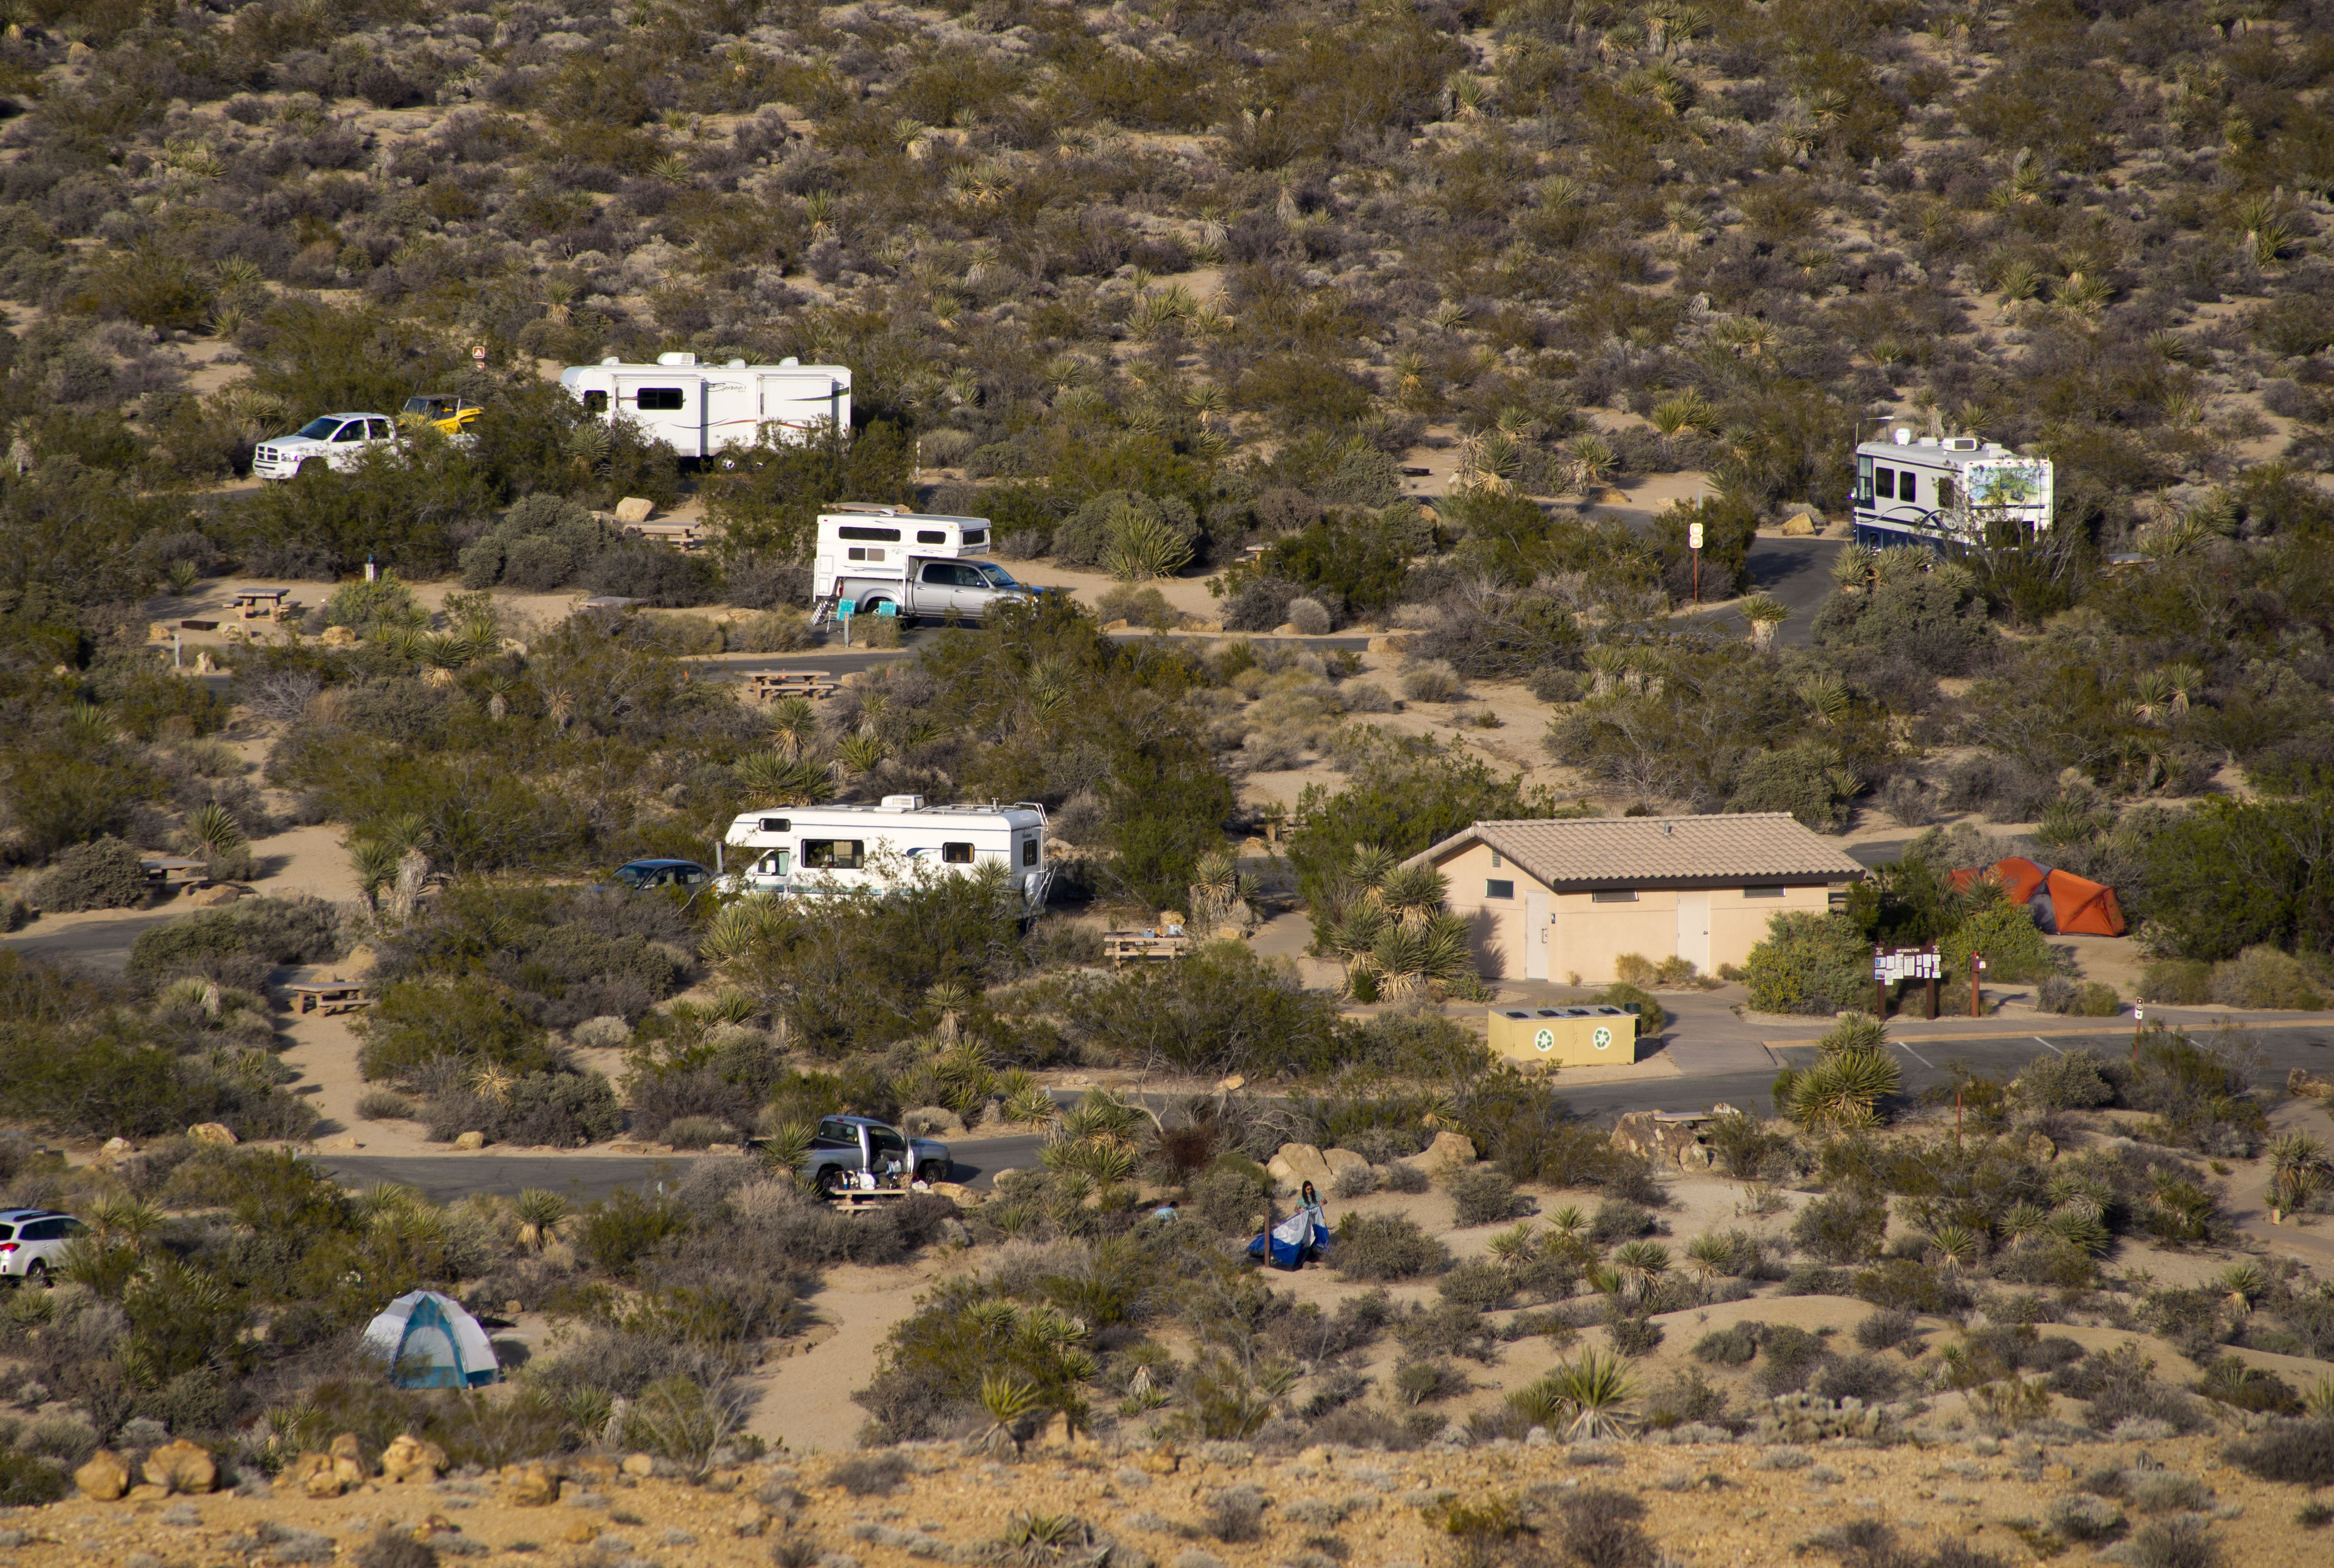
column 160, row 869
column 770, row 684
column 682, row 536
column 261, row 601
column 328, row 996
column 1169, row 942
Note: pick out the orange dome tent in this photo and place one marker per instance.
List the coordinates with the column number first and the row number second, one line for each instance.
column 2070, row 904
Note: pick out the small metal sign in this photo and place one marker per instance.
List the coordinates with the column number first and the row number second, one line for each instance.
column 846, row 608
column 1693, row 535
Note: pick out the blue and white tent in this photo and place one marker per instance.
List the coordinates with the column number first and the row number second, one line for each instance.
column 1288, row 1244
column 431, row 1343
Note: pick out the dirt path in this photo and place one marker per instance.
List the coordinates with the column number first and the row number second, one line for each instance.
column 804, row 1399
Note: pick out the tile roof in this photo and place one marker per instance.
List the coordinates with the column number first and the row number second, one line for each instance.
column 1647, row 851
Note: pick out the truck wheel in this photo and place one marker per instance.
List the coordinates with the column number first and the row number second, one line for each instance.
column 313, row 466
column 932, row 1170
column 830, row 1182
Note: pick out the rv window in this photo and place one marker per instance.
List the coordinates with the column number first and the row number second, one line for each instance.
column 1944, row 491
column 1029, row 852
column 889, row 536
column 667, row 397
column 777, row 824
column 865, row 552
column 596, row 402
column 956, row 854
column 931, row 536
column 1884, row 480
column 773, row 864
column 974, row 538
column 833, row 854
column 1864, row 478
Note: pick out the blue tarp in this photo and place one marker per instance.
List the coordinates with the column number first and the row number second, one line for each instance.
column 1301, row 1236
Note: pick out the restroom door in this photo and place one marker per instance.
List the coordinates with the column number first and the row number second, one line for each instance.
column 1693, row 929
column 1535, row 936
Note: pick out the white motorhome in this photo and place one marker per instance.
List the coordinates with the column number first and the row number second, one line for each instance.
column 887, row 561
column 897, row 844
column 1933, row 490
column 704, row 411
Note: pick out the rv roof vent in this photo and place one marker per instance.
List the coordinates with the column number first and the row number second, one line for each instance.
column 1901, row 435
column 788, row 363
column 676, row 359
column 1961, row 443
column 737, row 364
column 905, row 802
column 611, row 359
column 871, row 508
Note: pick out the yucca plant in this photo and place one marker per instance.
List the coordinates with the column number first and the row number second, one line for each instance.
column 776, row 780
column 863, row 753
column 1593, row 1390
column 2244, row 1283
column 788, row 1147
column 1010, row 1401
column 1958, row 1245
column 1710, row 1255
column 1844, row 1089
column 1142, row 547
column 540, row 1216
column 1642, row 1260
column 1514, row 1247
column 1537, row 1402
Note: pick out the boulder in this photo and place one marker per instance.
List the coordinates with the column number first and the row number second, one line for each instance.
column 207, row 898
column 212, row 1132
column 1800, row 525
column 750, row 1519
column 641, row 1465
column 315, row 1475
column 339, row 637
column 1339, row 1162
column 1450, row 1151
column 115, row 1149
column 1297, row 1164
column 473, row 1139
column 634, row 509
column 2039, row 1149
column 530, row 1486
column 158, row 631
column 182, row 1467
column 104, row 1478
column 412, row 1458
column 1678, row 1143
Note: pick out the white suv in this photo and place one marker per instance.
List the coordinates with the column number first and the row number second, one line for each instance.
column 333, row 441
column 33, row 1243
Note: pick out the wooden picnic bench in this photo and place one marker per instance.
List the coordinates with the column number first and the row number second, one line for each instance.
column 770, row 684
column 681, row 536
column 328, row 996
column 1118, row 947
column 269, row 602
column 163, row 867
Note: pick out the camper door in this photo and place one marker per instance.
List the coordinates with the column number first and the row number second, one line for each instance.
column 670, row 404
column 731, row 412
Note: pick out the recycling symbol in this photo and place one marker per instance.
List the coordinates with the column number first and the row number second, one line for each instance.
column 1544, row 1041
column 1602, row 1039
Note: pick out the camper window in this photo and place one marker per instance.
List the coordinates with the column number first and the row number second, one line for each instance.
column 773, row 864
column 1884, row 480
column 956, row 854
column 932, row 536
column 862, row 553
column 974, row 538
column 1029, row 852
column 596, row 402
column 662, row 398
column 1944, row 491
column 775, row 824
column 852, row 530
column 834, row 854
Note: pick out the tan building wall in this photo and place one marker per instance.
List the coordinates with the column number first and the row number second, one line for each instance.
column 1586, row 937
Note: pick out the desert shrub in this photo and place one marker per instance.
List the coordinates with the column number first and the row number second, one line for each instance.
column 1729, row 1347
column 1309, row 617
column 2187, row 982
column 2014, row 947
column 417, row 1022
column 2083, row 999
column 2119, row 1385
column 2181, row 1542
column 1405, row 1177
column 1235, row 1514
column 1808, row 964
column 105, row 874
column 1480, row 1284
column 1886, row 1329
column 1618, row 1219
column 2080, row 1516
column 2263, row 977
column 870, row 1475
column 2291, row 1453
column 1485, row 1197
column 238, row 945
column 1792, row 1356
column 391, row 1547
column 1862, row 1377
column 2071, row 1082
column 1841, row 1227
column 27, row 1481
column 1597, row 1527
column 2200, row 1092
column 654, row 575
column 1087, row 537
column 1430, row 683
column 1904, row 1284
column 554, row 1110
column 1229, row 1195
column 382, row 1105
column 542, row 543
column 1382, row 1247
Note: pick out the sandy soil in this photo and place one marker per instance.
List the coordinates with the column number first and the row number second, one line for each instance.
column 1706, row 1505
column 804, row 1399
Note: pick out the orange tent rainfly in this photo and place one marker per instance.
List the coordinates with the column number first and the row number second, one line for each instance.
column 2067, row 904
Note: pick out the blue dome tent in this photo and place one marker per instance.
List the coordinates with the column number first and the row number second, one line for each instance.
column 431, row 1343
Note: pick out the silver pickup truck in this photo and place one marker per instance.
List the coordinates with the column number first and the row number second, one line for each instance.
column 845, row 1147
column 934, row 590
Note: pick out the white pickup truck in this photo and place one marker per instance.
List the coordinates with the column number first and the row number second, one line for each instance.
column 331, row 442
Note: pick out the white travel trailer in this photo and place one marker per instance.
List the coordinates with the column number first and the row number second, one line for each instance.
column 703, row 410
column 1953, row 489
column 897, row 844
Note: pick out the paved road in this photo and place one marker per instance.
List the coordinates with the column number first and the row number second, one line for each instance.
column 1795, row 571
column 586, row 1176
column 102, row 946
